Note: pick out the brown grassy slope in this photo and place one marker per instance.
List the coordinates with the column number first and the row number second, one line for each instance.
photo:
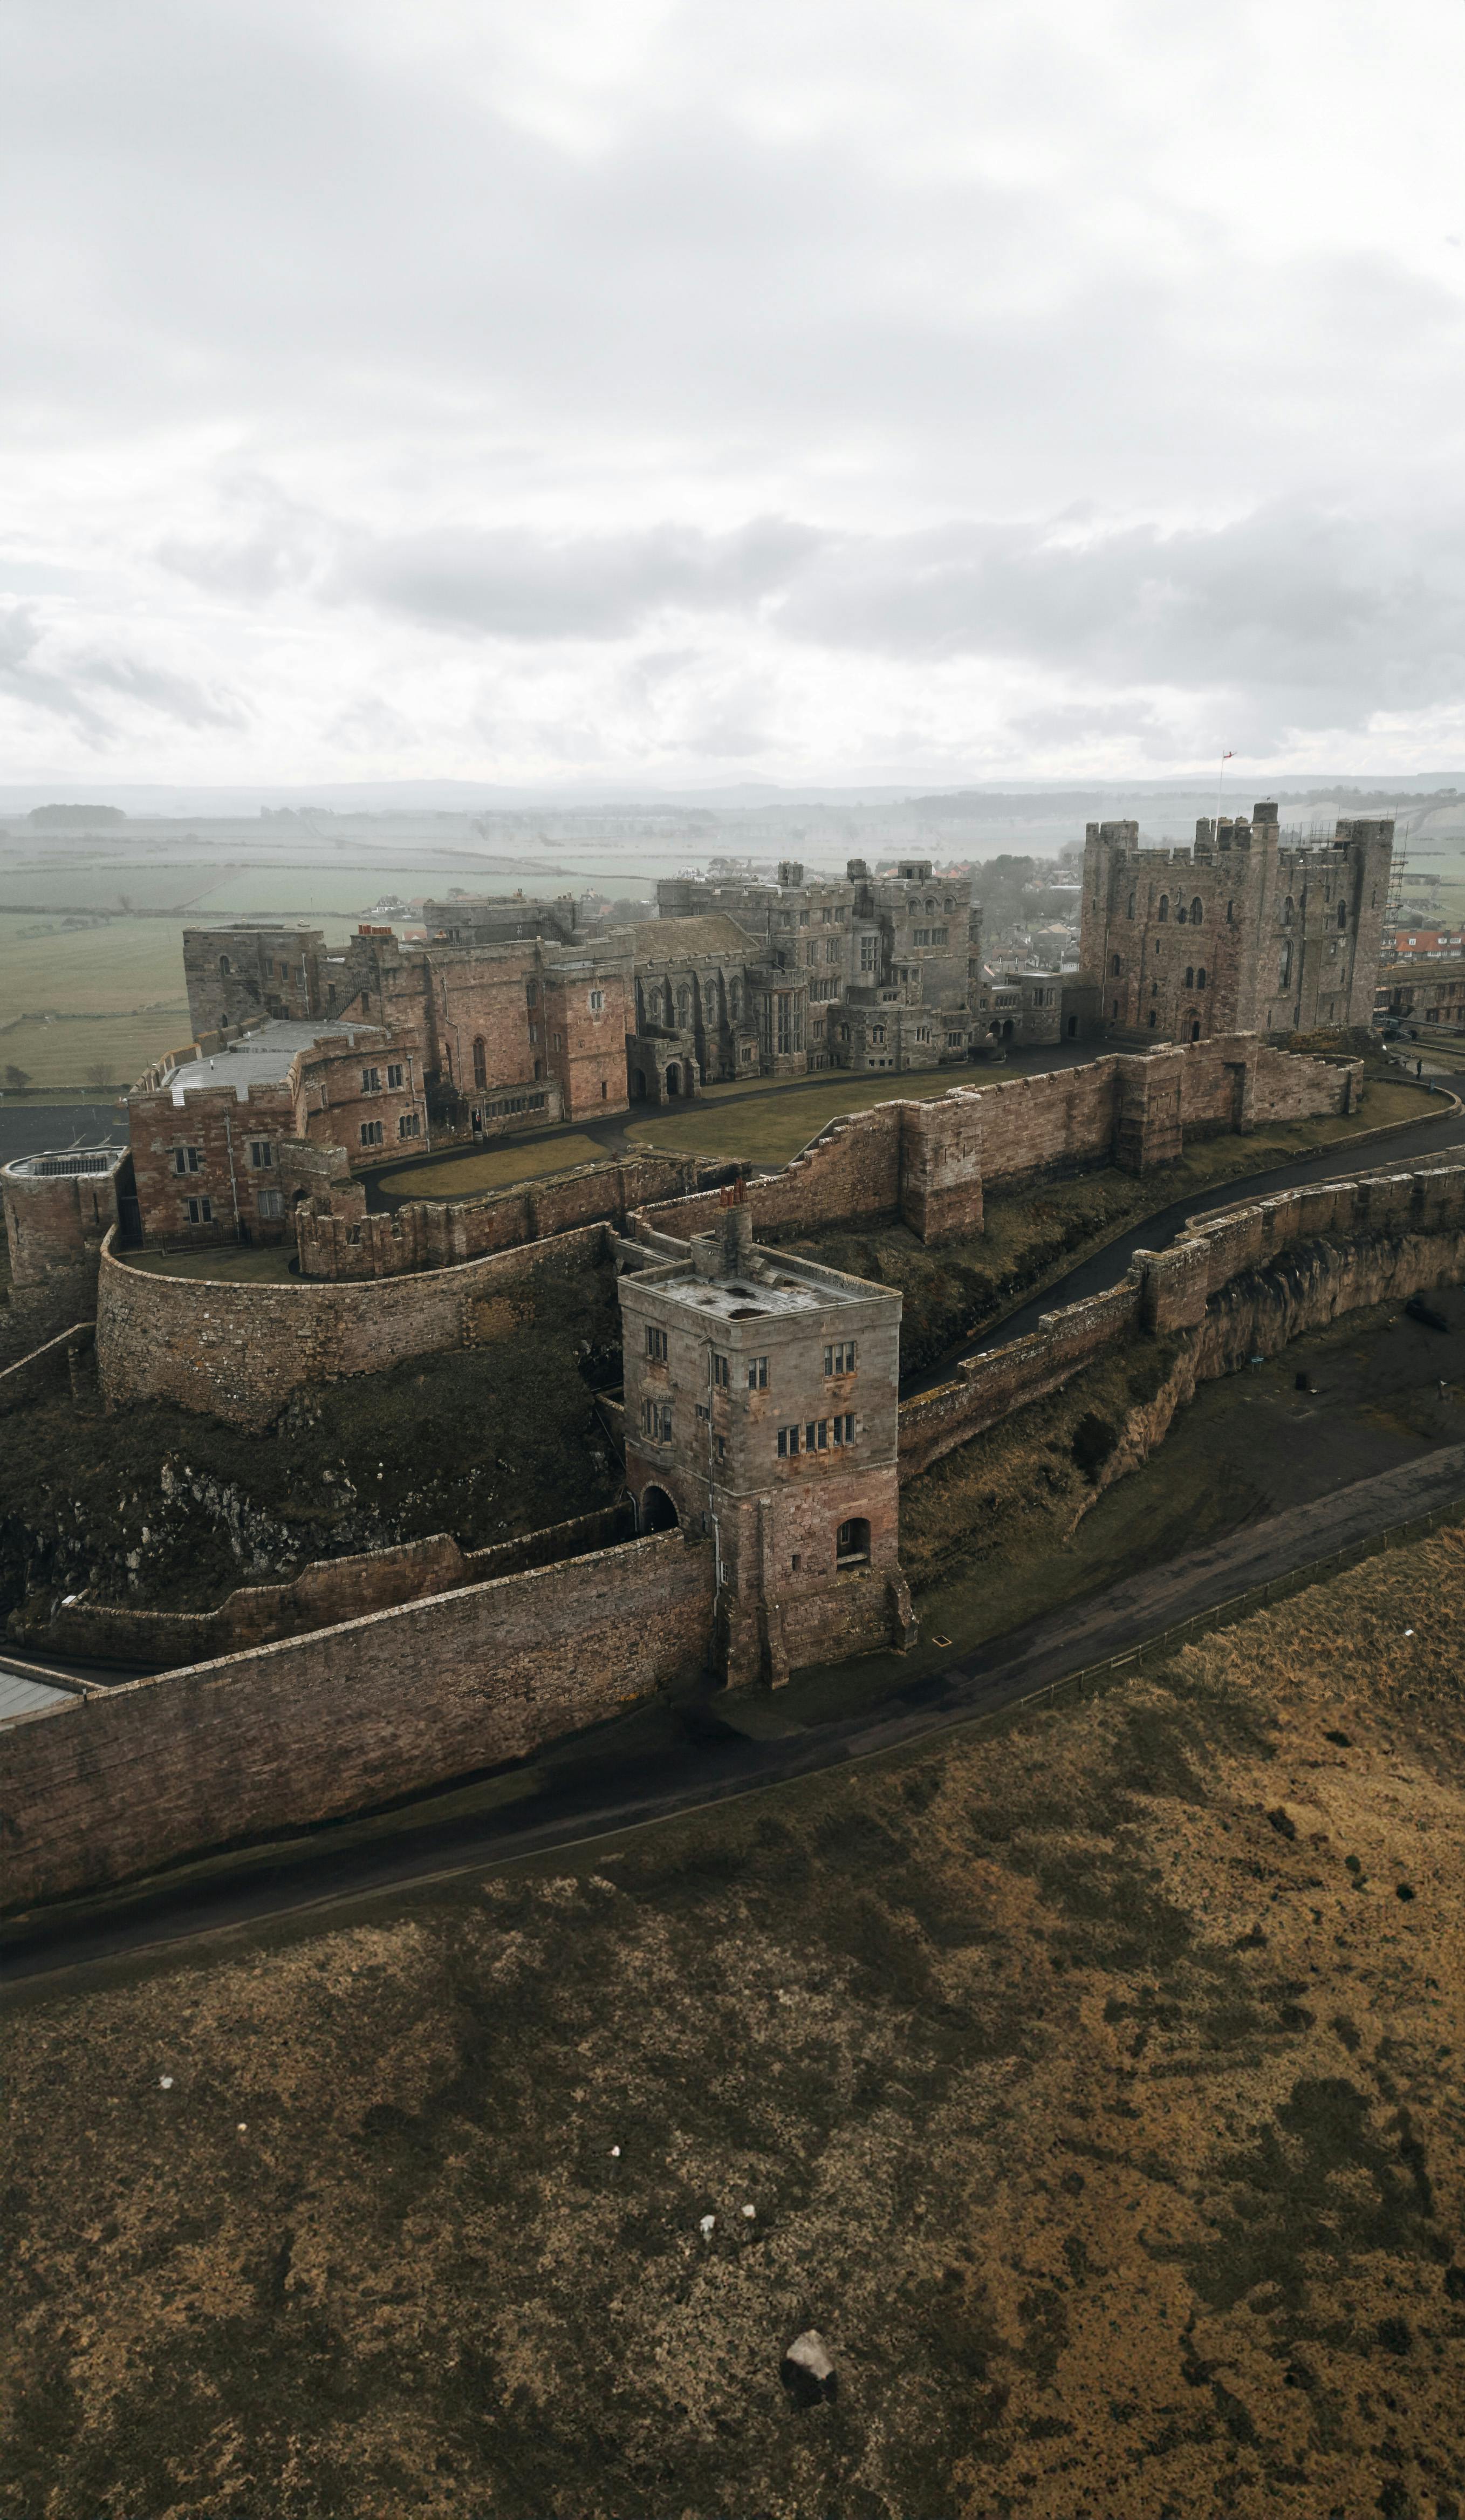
column 1096, row 2092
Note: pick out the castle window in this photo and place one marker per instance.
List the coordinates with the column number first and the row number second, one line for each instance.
column 261, row 1153
column 538, row 1069
column 1179, row 913
column 840, row 1359
column 597, row 1001
column 270, row 1202
column 480, row 1063
column 371, row 1132
column 1197, row 911
column 877, row 1032
column 868, row 946
column 407, row 1124
column 531, row 994
column 1130, row 912
column 657, row 1420
column 1115, row 967
column 720, row 1372
column 817, row 1436
column 371, row 1080
column 851, row 1547
column 394, row 1078
column 1199, row 978
column 1154, row 1019
column 1343, row 914
column 225, row 967
column 844, row 1429
column 788, row 1442
column 1284, row 966
column 1163, row 913
column 803, row 917
column 1230, row 914
column 956, row 1040
column 199, row 1211
column 757, row 1373
column 1190, row 975
column 824, row 916
column 1288, row 912
column 656, row 1344
column 188, row 1160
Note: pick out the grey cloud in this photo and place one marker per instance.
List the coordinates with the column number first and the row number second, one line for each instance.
column 36, row 670
column 515, row 584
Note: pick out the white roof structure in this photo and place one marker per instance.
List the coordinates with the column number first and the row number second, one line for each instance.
column 264, row 1057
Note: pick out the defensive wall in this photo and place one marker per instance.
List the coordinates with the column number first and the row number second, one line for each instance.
column 381, row 1707
column 324, row 1595
column 238, row 1351
column 349, row 1719
column 1382, row 1235
column 439, row 1234
column 934, row 1163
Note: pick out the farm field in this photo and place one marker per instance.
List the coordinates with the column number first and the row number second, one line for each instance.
column 90, row 1053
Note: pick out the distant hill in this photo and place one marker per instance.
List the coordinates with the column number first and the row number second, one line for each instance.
column 75, row 818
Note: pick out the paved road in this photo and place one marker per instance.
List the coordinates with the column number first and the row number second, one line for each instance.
column 30, row 1128
column 612, row 1793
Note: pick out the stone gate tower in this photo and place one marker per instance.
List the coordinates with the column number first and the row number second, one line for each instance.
column 761, row 1407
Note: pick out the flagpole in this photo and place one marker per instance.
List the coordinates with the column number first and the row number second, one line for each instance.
column 1220, row 784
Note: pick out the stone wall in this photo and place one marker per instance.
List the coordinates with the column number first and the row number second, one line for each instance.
column 1393, row 1231
column 435, row 1234
column 324, row 1595
column 264, row 1743
column 237, row 1351
column 49, row 1369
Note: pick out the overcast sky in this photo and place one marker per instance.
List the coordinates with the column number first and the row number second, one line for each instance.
column 677, row 390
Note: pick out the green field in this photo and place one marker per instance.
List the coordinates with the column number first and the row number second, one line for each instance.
column 65, row 1053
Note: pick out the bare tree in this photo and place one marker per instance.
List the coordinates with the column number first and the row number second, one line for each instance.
column 17, row 1078
column 101, row 1074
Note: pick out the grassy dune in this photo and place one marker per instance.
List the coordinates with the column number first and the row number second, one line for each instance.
column 1093, row 2084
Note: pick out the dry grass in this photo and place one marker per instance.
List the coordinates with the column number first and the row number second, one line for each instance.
column 460, row 1176
column 1093, row 2084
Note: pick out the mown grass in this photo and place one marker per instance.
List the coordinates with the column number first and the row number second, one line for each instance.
column 495, row 1167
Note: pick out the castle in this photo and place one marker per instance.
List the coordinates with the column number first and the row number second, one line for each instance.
column 1237, row 934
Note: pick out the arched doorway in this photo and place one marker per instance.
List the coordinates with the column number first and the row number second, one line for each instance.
column 852, row 1548
column 673, row 1080
column 1007, row 1029
column 1073, row 1027
column 657, row 1512
column 1195, row 1032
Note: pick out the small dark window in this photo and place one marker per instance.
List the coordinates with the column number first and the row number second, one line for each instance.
column 1115, row 967
column 1199, row 978
column 480, row 1063
column 1197, row 911
column 1163, row 913
column 1343, row 914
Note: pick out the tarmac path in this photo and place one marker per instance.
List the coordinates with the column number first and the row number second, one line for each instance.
column 607, row 1796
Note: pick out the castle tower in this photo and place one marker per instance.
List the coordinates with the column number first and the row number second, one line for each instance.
column 761, row 1410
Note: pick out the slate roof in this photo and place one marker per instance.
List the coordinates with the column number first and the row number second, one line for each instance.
column 678, row 940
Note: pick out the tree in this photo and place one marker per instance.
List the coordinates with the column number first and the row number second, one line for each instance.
column 17, row 1078
column 100, row 1074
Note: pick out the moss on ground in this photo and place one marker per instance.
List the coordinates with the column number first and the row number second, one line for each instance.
column 1092, row 2080
column 160, row 1508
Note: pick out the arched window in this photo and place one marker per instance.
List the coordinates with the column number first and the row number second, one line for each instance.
column 852, row 1548
column 1163, row 913
column 1179, row 913
column 1199, row 978
column 1230, row 914
column 1284, row 968
column 225, row 967
column 1190, row 975
column 683, row 1006
column 1115, row 967
column 480, row 1063
column 1154, row 1018
column 1195, row 1030
column 1131, row 906
column 1288, row 912
column 1343, row 914
column 1197, row 911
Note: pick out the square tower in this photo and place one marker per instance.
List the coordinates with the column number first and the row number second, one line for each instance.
column 761, row 1407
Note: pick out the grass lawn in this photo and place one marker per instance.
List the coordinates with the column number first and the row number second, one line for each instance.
column 254, row 1264
column 460, row 1176
column 771, row 1131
